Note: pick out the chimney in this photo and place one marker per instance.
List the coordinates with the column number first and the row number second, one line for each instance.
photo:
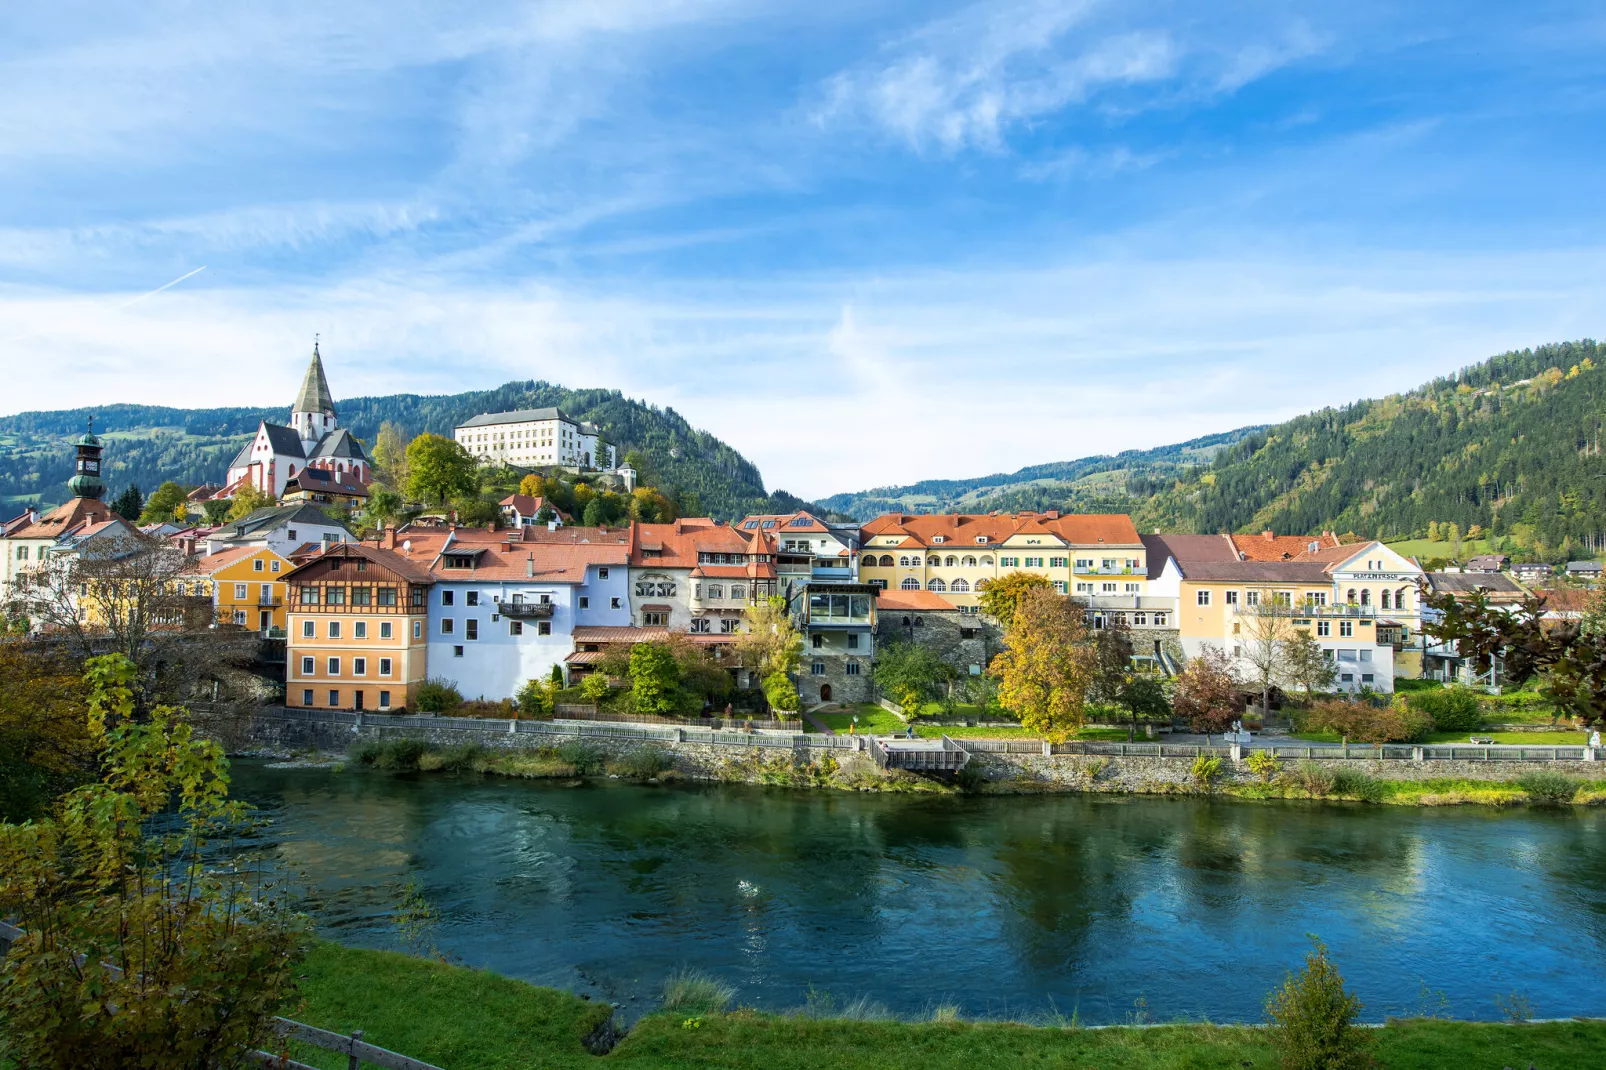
column 529, row 565
column 1052, row 514
column 1267, row 535
column 491, row 526
column 388, row 541
column 552, row 525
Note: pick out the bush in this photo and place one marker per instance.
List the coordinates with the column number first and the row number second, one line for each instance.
column 1548, row 787
column 535, row 700
column 594, row 687
column 1206, row 770
column 781, row 693
column 463, row 758
column 401, row 755
column 480, row 707
column 1264, row 764
column 366, row 751
column 1312, row 778
column 437, row 696
column 1356, row 784
column 695, row 992
column 1362, row 722
column 1453, row 709
column 585, row 757
column 645, row 761
column 1311, row 1019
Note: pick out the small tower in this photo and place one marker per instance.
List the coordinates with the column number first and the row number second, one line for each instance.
column 313, row 415
column 86, row 481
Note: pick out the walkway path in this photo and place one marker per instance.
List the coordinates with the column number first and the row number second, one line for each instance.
column 819, row 725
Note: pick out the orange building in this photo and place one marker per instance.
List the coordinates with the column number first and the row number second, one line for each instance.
column 357, row 628
column 247, row 587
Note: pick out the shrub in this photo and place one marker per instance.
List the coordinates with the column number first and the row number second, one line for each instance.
column 1206, row 770
column 645, row 761
column 1362, row 722
column 1453, row 709
column 781, row 693
column 1311, row 1019
column 585, row 757
column 1264, row 764
column 1548, row 787
column 463, row 758
column 695, row 992
column 535, row 699
column 366, row 751
column 401, row 755
column 1354, row 783
column 594, row 687
column 1312, row 778
column 437, row 696
column 480, row 707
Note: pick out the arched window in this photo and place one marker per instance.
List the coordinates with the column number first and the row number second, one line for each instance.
column 907, row 623
column 904, row 560
column 886, row 560
column 959, row 585
column 1350, row 598
column 933, row 561
column 1387, row 598
column 951, row 561
column 910, row 584
column 936, row 585
column 1366, row 597
column 969, row 562
column 987, row 560
column 1399, row 599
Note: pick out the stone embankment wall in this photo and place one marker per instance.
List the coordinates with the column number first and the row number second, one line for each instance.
column 733, row 757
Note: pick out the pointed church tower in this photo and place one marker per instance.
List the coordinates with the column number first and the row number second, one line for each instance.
column 313, row 415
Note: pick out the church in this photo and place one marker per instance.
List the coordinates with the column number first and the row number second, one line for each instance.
column 314, row 439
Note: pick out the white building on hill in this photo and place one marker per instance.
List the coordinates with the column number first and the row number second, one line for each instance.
column 533, row 438
column 314, row 439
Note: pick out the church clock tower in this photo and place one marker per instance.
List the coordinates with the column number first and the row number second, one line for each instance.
column 86, row 482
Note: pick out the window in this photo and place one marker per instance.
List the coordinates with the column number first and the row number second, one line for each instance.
column 602, row 573
column 933, row 561
column 359, row 666
column 1387, row 599
column 334, row 629
column 1107, row 588
column 1132, row 588
column 1084, row 562
column 384, row 670
column 1203, row 598
column 1366, row 655
column 853, row 668
column 1034, row 562
column 471, row 629
column 334, row 697
column 716, row 590
column 333, row 667
column 1159, row 620
column 701, row 626
column 1366, row 677
column 886, row 561
column 1084, row 588
column 961, row 586
column 730, row 625
column 446, row 597
column 1366, row 597
column 384, row 700
column 936, row 585
column 239, row 592
column 1009, row 562
column 987, row 561
column 853, row 642
column 256, row 566
column 446, row 625
column 335, row 596
column 1346, row 628
column 1058, row 562
column 543, row 627
column 1059, row 587
column 471, row 598
column 1232, row 597
column 276, row 566
column 515, row 627
column 359, row 630
column 1324, row 628
column 910, row 584
column 1140, row 619
column 1252, row 598
column 308, row 666
column 384, row 629
column 585, row 602
column 307, row 629
column 817, row 668
column 654, row 619
column 418, row 629
column 306, row 696
column 457, row 651
column 385, row 596
column 361, row 596
column 615, row 603
column 818, row 641
column 418, row 596
column 738, row 590
column 239, row 616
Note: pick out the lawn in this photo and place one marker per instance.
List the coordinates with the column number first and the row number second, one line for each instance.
column 472, row 1020
column 874, row 720
column 959, row 731
column 1513, row 739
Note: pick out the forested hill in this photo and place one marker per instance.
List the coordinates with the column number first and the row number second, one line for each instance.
column 147, row 444
column 1511, row 445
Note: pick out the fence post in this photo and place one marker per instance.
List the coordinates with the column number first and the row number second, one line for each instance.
column 358, row 723
column 512, row 726
column 680, row 735
column 1589, row 754
column 356, row 1035
column 1048, row 748
column 1237, row 752
column 1418, row 754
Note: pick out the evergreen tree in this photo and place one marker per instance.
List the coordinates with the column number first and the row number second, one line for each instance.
column 129, row 504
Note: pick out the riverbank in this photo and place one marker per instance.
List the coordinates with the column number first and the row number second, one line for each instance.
column 459, row 1018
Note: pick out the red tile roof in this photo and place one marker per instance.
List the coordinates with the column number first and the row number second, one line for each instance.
column 1077, row 529
column 66, row 518
column 527, row 505
column 1271, row 547
column 894, row 601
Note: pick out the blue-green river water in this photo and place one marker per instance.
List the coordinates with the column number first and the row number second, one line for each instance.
column 1008, row 907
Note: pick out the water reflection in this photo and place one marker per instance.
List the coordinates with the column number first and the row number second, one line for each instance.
column 999, row 904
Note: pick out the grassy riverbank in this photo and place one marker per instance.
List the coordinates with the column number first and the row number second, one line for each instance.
column 461, row 1019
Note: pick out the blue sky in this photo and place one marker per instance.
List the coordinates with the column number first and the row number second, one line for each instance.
column 864, row 242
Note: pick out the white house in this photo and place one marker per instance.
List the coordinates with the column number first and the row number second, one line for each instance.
column 532, row 438
column 314, row 439
column 282, row 529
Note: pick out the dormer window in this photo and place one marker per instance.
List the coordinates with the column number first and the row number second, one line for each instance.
column 938, row 538
column 980, row 539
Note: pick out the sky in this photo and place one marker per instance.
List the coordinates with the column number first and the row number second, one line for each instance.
column 863, row 241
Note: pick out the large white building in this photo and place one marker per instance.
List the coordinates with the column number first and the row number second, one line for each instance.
column 314, row 439
column 533, row 438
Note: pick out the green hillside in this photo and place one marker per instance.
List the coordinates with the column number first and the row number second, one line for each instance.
column 148, row 444
column 1509, row 446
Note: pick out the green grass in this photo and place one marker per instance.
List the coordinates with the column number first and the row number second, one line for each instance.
column 1515, row 739
column 872, row 719
column 959, row 731
column 1424, row 549
column 964, row 710
column 460, row 1019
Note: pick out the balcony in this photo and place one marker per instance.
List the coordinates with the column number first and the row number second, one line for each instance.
column 526, row 610
column 1119, row 570
column 270, row 600
column 1331, row 611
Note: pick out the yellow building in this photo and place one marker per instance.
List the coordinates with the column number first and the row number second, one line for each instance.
column 1095, row 556
column 246, row 585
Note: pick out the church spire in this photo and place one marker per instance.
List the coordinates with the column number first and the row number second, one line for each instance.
column 313, row 415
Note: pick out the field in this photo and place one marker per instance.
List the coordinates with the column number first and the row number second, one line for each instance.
column 460, row 1019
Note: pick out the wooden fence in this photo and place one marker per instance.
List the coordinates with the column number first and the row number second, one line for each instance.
column 356, row 1050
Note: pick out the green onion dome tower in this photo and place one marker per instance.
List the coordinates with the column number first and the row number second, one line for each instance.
column 86, row 482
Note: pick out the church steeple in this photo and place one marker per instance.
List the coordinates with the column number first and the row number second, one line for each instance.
column 86, row 481
column 313, row 415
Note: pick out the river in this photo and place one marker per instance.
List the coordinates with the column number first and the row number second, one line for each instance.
column 1107, row 907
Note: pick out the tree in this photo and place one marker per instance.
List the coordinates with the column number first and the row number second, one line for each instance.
column 214, row 955
column 1311, row 1019
column 1045, row 667
column 1142, row 695
column 1002, row 596
column 532, row 485
column 781, row 693
column 248, row 500
column 164, row 504
column 910, row 674
column 477, row 512
column 769, row 643
column 217, row 510
column 596, row 514
column 45, row 746
column 439, row 469
column 129, row 504
column 384, row 505
column 1306, row 664
column 1263, row 647
column 390, row 457
column 1206, row 692
column 654, row 678
column 546, row 514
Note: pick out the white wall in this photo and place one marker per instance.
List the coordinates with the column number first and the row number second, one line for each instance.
column 497, row 663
